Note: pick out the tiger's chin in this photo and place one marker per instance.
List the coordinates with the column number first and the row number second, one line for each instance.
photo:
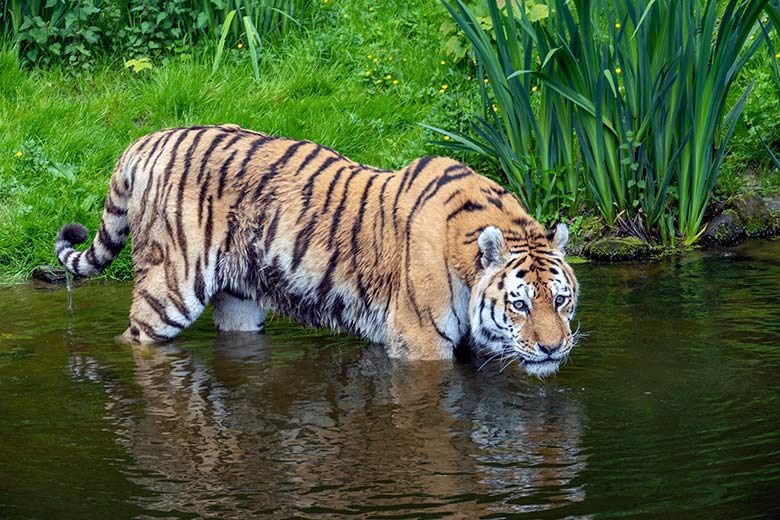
column 541, row 369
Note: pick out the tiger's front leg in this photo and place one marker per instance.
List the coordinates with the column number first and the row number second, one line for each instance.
column 414, row 334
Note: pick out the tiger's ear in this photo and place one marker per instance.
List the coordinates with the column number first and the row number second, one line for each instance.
column 491, row 247
column 559, row 238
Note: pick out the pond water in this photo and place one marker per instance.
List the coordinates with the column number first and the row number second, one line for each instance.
column 669, row 407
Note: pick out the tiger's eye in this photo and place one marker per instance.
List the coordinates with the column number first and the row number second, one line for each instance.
column 520, row 306
column 560, row 300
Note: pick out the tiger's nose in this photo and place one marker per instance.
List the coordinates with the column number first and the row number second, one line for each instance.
column 548, row 349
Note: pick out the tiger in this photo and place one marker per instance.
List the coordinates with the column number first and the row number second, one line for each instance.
column 428, row 260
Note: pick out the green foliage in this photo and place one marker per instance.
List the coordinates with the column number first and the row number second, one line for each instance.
column 533, row 141
column 642, row 86
column 77, row 32
column 312, row 86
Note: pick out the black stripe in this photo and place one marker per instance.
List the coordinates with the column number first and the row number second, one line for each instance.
column 409, row 174
column 362, row 293
column 309, row 158
column 207, row 154
column 168, row 169
column 158, row 307
column 326, row 283
column 452, row 196
column 223, row 173
column 272, row 229
column 382, row 200
column 274, row 169
column 446, row 178
column 182, row 237
column 359, row 220
column 199, row 285
column 202, row 196
column 254, row 146
column 208, row 229
column 107, row 242
column 150, row 180
column 468, row 206
column 113, row 209
column 440, row 332
column 421, row 165
column 174, row 294
column 149, row 330
column 233, row 140
column 302, row 242
column 308, row 189
column 331, row 187
column 340, row 209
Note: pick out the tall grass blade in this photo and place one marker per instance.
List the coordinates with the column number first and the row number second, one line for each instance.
column 223, row 37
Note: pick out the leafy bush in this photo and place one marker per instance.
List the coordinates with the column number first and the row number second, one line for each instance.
column 76, row 31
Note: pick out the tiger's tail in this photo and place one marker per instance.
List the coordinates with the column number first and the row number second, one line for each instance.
column 110, row 238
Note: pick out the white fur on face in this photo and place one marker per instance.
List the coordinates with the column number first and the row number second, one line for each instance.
column 497, row 336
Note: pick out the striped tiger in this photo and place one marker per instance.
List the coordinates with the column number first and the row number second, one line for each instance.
column 426, row 259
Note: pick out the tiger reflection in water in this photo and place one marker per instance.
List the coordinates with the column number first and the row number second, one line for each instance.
column 360, row 431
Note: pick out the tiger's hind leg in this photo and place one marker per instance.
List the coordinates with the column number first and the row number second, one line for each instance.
column 235, row 314
column 164, row 304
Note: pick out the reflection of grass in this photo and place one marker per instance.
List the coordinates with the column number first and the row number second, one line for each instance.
column 312, row 86
column 16, row 351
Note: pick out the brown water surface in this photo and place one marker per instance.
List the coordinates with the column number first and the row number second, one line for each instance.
column 670, row 407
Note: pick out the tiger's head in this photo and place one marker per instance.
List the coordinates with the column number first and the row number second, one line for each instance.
column 522, row 305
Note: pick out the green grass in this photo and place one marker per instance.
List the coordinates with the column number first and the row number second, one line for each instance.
column 313, row 85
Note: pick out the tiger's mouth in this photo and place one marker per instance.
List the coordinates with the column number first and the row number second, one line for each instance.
column 537, row 365
column 541, row 368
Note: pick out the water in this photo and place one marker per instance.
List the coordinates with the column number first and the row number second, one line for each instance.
column 670, row 408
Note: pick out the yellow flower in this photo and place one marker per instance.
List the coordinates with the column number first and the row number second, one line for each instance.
column 240, row 45
column 618, row 70
column 442, row 62
column 324, row 1
column 395, row 82
column 388, row 77
column 390, row 58
column 18, row 154
column 346, row 15
column 444, row 87
column 376, row 60
column 403, row 59
column 486, row 80
column 495, row 108
column 446, row 138
column 368, row 73
column 765, row 19
column 534, row 88
column 617, row 26
column 752, row 36
column 777, row 55
column 469, row 78
column 442, row 90
column 379, row 81
column 369, row 56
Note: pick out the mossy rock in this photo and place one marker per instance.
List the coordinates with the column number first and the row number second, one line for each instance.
column 755, row 215
column 725, row 229
column 583, row 230
column 49, row 274
column 616, row 249
column 747, row 216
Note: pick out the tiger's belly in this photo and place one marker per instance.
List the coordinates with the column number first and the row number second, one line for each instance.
column 320, row 288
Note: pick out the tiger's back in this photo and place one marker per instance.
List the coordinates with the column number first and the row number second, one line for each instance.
column 249, row 221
